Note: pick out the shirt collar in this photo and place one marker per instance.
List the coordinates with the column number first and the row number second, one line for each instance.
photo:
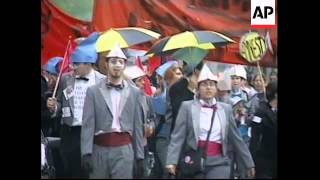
column 212, row 102
column 124, row 82
column 236, row 91
column 91, row 75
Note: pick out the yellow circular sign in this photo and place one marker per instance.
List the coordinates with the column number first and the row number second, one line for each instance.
column 253, row 47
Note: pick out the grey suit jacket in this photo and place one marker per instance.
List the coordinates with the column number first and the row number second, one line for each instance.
column 97, row 116
column 148, row 112
column 67, row 81
column 186, row 136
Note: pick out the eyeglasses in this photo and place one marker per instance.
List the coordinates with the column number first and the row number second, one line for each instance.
column 117, row 60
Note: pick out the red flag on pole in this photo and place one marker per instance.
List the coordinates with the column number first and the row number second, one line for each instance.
column 139, row 63
column 154, row 63
column 66, row 68
column 147, row 83
column 65, row 63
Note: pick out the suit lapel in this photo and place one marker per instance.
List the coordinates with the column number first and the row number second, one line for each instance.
column 106, row 95
column 124, row 95
column 195, row 113
column 223, row 120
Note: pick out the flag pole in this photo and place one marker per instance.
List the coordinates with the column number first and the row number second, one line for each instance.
column 61, row 68
column 263, row 83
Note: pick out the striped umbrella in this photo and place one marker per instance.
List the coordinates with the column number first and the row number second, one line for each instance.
column 190, row 55
column 125, row 37
column 198, row 39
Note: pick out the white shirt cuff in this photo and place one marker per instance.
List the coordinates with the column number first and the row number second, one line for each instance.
column 55, row 112
column 256, row 119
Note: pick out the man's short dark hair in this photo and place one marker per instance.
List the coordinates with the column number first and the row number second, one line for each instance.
column 189, row 69
column 271, row 90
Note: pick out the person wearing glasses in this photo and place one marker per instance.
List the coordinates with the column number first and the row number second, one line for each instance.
column 112, row 138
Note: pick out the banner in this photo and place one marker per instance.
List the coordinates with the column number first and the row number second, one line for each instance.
column 229, row 17
column 56, row 27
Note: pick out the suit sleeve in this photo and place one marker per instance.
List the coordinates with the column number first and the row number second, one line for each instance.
column 256, row 133
column 253, row 103
column 178, row 136
column 240, row 148
column 174, row 101
column 61, row 85
column 45, row 113
column 88, row 123
column 151, row 113
column 138, row 130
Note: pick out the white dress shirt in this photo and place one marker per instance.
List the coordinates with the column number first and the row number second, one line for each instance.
column 205, row 121
column 115, row 100
column 80, row 89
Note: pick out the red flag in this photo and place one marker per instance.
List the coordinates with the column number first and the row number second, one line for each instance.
column 64, row 67
column 154, row 63
column 147, row 86
column 147, row 83
column 139, row 63
column 72, row 46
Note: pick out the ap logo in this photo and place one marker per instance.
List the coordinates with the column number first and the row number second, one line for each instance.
column 263, row 13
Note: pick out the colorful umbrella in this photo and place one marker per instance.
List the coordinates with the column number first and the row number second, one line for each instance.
column 125, row 37
column 190, row 55
column 199, row 39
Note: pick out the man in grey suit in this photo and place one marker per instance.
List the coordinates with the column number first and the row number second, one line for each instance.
column 112, row 132
column 194, row 119
column 69, row 105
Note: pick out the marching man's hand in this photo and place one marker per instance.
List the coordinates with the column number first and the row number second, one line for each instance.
column 148, row 131
column 51, row 104
column 251, row 173
column 87, row 163
column 171, row 169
